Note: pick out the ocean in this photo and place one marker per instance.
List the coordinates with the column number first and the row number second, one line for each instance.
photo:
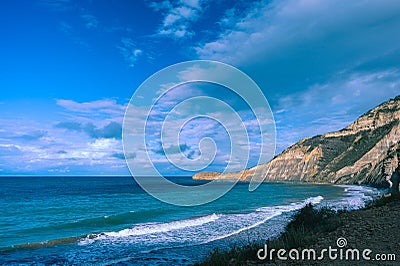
column 111, row 220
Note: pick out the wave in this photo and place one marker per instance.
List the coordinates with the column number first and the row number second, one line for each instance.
column 293, row 206
column 152, row 228
column 355, row 197
column 192, row 231
column 198, row 230
column 272, row 211
column 163, row 227
column 98, row 222
column 149, row 228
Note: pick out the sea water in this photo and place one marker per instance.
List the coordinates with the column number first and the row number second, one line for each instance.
column 111, row 220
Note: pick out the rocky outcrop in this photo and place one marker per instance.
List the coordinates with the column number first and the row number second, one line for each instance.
column 365, row 152
column 391, row 169
column 242, row 175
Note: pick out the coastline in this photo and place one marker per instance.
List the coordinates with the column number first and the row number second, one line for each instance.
column 140, row 233
column 374, row 227
column 281, row 181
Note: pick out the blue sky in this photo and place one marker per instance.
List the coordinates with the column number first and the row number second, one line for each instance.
column 69, row 68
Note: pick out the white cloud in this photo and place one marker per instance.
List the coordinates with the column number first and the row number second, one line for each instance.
column 320, row 63
column 159, row 6
column 179, row 16
column 186, row 127
column 91, row 21
column 106, row 108
column 103, row 145
column 129, row 51
column 271, row 31
column 348, row 89
column 72, row 33
column 29, row 145
column 333, row 105
column 192, row 3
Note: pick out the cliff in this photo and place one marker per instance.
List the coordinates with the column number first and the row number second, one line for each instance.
column 366, row 152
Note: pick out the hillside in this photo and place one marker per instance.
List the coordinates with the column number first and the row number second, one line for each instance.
column 366, row 152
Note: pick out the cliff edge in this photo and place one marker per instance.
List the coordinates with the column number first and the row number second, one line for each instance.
column 366, row 152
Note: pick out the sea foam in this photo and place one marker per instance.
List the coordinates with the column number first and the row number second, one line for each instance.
column 202, row 229
column 152, row 228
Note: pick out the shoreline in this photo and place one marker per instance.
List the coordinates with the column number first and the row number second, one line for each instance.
column 374, row 227
column 372, row 185
column 253, row 216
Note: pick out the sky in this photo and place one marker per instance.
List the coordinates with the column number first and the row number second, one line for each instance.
column 69, row 68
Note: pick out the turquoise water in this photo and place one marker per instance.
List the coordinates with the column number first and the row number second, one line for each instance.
column 107, row 220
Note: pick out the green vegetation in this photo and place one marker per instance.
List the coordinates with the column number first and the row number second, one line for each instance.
column 305, row 224
column 300, row 232
column 383, row 200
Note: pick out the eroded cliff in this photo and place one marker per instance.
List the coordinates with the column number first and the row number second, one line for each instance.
column 365, row 152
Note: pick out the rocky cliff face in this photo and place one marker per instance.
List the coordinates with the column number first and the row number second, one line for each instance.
column 365, row 152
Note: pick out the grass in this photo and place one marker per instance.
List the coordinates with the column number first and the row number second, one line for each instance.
column 305, row 224
column 383, row 200
column 305, row 227
column 300, row 232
